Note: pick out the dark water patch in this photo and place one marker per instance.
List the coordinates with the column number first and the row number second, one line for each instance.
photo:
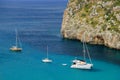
column 89, row 70
column 94, row 70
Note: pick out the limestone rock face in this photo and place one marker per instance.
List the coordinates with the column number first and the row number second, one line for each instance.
column 94, row 21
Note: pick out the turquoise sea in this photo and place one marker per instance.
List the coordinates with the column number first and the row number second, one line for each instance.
column 38, row 24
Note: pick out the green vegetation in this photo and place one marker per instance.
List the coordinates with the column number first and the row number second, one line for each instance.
column 117, row 3
column 94, row 23
column 104, row 27
column 114, row 28
column 99, row 14
column 71, row 0
column 83, row 15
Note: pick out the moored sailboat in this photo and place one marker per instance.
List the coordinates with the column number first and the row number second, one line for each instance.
column 83, row 64
column 16, row 47
column 47, row 60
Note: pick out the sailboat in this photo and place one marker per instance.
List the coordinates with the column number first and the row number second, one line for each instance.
column 83, row 64
column 16, row 47
column 47, row 60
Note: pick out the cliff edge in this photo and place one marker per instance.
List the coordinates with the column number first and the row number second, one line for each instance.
column 94, row 21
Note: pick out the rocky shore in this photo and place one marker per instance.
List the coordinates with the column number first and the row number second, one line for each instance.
column 94, row 21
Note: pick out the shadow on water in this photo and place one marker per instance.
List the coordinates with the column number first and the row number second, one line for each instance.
column 90, row 70
column 97, row 52
column 94, row 70
column 72, row 47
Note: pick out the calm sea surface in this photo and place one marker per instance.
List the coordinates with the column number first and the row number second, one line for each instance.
column 38, row 25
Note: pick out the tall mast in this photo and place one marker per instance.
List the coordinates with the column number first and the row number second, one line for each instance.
column 16, row 37
column 88, row 54
column 84, row 51
column 47, row 51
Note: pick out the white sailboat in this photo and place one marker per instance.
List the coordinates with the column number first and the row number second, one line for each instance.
column 83, row 64
column 47, row 60
column 16, row 47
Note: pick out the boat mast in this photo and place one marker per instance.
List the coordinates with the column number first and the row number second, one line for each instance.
column 88, row 54
column 47, row 51
column 84, row 47
column 86, row 50
column 16, row 38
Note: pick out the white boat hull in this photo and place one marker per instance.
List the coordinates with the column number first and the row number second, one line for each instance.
column 14, row 48
column 46, row 60
column 64, row 64
column 82, row 66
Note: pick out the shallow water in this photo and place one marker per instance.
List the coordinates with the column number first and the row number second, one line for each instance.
column 38, row 24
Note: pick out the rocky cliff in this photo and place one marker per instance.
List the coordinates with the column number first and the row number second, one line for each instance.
column 94, row 21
